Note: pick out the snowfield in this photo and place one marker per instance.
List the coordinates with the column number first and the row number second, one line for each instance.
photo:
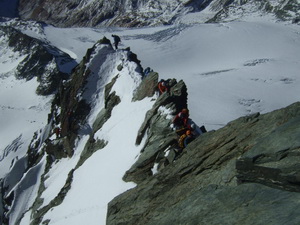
column 230, row 69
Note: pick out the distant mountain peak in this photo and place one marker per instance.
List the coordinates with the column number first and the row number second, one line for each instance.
column 132, row 13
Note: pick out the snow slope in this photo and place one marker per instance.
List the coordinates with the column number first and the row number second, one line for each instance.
column 232, row 69
column 22, row 112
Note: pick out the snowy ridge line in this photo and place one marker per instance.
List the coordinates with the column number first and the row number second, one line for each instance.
column 97, row 72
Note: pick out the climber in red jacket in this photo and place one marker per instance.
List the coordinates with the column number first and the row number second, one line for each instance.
column 162, row 87
column 181, row 119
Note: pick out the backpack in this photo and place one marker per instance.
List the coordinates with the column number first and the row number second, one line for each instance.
column 117, row 38
column 181, row 141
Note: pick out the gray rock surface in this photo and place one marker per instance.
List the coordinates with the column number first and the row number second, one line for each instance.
column 159, row 133
column 244, row 173
column 147, row 87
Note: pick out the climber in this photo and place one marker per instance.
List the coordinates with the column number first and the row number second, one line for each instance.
column 147, row 71
column 181, row 119
column 162, row 86
column 117, row 39
column 185, row 139
column 196, row 131
column 57, row 131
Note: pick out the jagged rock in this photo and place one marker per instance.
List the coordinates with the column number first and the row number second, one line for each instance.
column 91, row 80
column 40, row 60
column 91, row 147
column 147, row 87
column 74, row 110
column 159, row 133
column 1, row 204
column 224, row 176
column 59, row 148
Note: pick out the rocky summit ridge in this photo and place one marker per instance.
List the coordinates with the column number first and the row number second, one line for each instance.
column 244, row 173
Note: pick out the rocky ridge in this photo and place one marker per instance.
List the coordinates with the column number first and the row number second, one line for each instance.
column 71, row 107
column 246, row 172
column 39, row 60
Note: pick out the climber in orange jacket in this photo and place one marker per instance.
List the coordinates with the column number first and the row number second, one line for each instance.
column 185, row 139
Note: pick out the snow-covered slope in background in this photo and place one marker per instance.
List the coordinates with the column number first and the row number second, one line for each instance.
column 22, row 111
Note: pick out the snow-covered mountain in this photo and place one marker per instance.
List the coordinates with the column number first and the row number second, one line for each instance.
column 113, row 127
column 132, row 13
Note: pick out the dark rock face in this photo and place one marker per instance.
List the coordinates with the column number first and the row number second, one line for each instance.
column 244, row 173
column 70, row 110
column 130, row 13
column 41, row 60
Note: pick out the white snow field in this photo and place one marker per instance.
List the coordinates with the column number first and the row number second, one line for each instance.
column 231, row 70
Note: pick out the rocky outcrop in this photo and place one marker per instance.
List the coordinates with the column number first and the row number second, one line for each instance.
column 147, row 87
column 40, row 60
column 157, row 128
column 69, row 109
column 246, row 172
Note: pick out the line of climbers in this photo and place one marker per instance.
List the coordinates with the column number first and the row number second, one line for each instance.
column 184, row 127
